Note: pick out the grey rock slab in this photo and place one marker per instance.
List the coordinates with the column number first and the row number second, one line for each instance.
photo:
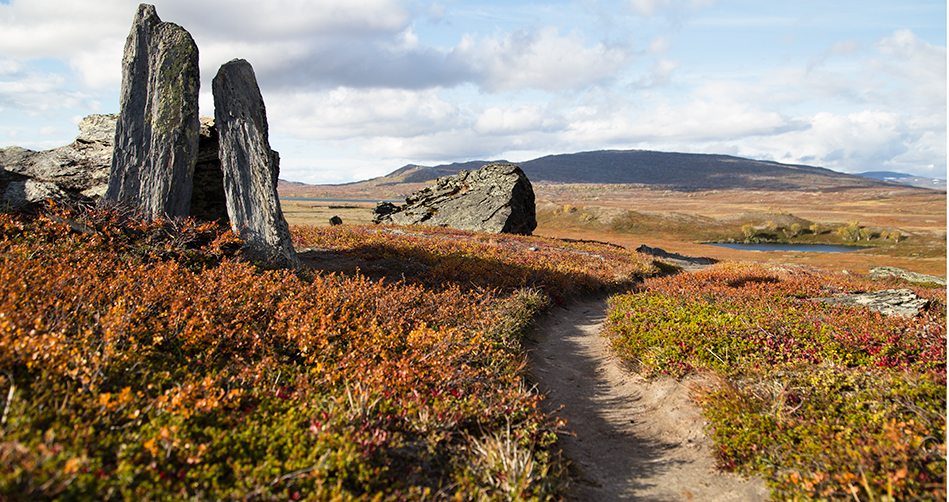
column 902, row 302
column 884, row 272
column 79, row 169
column 156, row 138
column 250, row 167
column 498, row 198
column 19, row 194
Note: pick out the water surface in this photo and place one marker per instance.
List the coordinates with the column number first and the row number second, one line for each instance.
column 806, row 248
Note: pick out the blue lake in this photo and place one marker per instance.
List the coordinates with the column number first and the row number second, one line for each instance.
column 806, row 248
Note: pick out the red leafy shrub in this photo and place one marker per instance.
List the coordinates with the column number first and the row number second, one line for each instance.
column 827, row 402
column 504, row 262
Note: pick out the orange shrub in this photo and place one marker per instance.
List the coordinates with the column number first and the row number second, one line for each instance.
column 142, row 360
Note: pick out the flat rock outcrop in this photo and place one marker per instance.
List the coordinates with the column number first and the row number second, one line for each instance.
column 498, row 198
column 903, row 302
column 687, row 262
column 156, row 138
column 250, row 167
column 885, row 272
column 79, row 170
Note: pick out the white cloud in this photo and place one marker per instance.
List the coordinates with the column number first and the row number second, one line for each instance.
column 496, row 120
column 649, row 8
column 540, row 58
column 660, row 74
column 286, row 19
column 100, row 68
column 863, row 141
column 842, row 48
column 58, row 28
column 346, row 113
column 918, row 64
column 36, row 93
column 9, row 68
column 87, row 35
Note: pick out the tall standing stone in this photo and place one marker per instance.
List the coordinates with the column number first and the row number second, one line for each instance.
column 250, row 166
column 156, row 138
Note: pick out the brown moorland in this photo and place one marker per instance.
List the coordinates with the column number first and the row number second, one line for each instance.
column 680, row 221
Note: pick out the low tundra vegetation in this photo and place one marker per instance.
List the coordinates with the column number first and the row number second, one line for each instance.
column 143, row 360
column 508, row 263
column 825, row 402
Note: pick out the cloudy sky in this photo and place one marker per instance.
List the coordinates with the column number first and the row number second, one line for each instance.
column 358, row 88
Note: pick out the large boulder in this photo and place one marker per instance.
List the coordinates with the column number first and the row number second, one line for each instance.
column 250, row 167
column 22, row 194
column 77, row 171
column 156, row 138
column 498, row 198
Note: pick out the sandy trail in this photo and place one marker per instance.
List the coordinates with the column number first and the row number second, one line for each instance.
column 635, row 440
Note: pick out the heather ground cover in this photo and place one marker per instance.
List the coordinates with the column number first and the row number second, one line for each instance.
column 827, row 403
column 504, row 262
column 144, row 360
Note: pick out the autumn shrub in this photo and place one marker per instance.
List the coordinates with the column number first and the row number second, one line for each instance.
column 474, row 260
column 144, row 360
column 826, row 402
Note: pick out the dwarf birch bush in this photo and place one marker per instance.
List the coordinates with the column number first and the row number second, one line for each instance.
column 144, row 360
column 826, row 402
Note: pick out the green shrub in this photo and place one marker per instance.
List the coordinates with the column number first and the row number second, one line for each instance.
column 825, row 402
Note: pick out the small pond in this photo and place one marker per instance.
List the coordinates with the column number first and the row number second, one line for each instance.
column 806, row 248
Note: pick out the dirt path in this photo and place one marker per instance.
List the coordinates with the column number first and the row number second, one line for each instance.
column 635, row 440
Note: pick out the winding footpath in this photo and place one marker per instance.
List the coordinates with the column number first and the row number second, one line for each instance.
column 634, row 440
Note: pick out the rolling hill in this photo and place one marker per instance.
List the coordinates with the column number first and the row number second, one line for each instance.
column 666, row 170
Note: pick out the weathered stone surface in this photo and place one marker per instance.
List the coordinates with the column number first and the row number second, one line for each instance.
column 498, row 198
column 383, row 209
column 79, row 170
column 156, row 138
column 20, row 194
column 250, row 167
column 885, row 272
column 888, row 301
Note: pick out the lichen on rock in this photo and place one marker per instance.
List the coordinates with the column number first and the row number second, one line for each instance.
column 156, row 138
column 498, row 198
column 250, row 166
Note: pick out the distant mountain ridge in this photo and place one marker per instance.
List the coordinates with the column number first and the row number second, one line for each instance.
column 907, row 179
column 679, row 171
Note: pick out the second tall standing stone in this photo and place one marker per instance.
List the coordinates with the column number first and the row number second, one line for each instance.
column 250, row 167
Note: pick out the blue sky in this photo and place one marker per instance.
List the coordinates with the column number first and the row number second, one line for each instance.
column 358, row 88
